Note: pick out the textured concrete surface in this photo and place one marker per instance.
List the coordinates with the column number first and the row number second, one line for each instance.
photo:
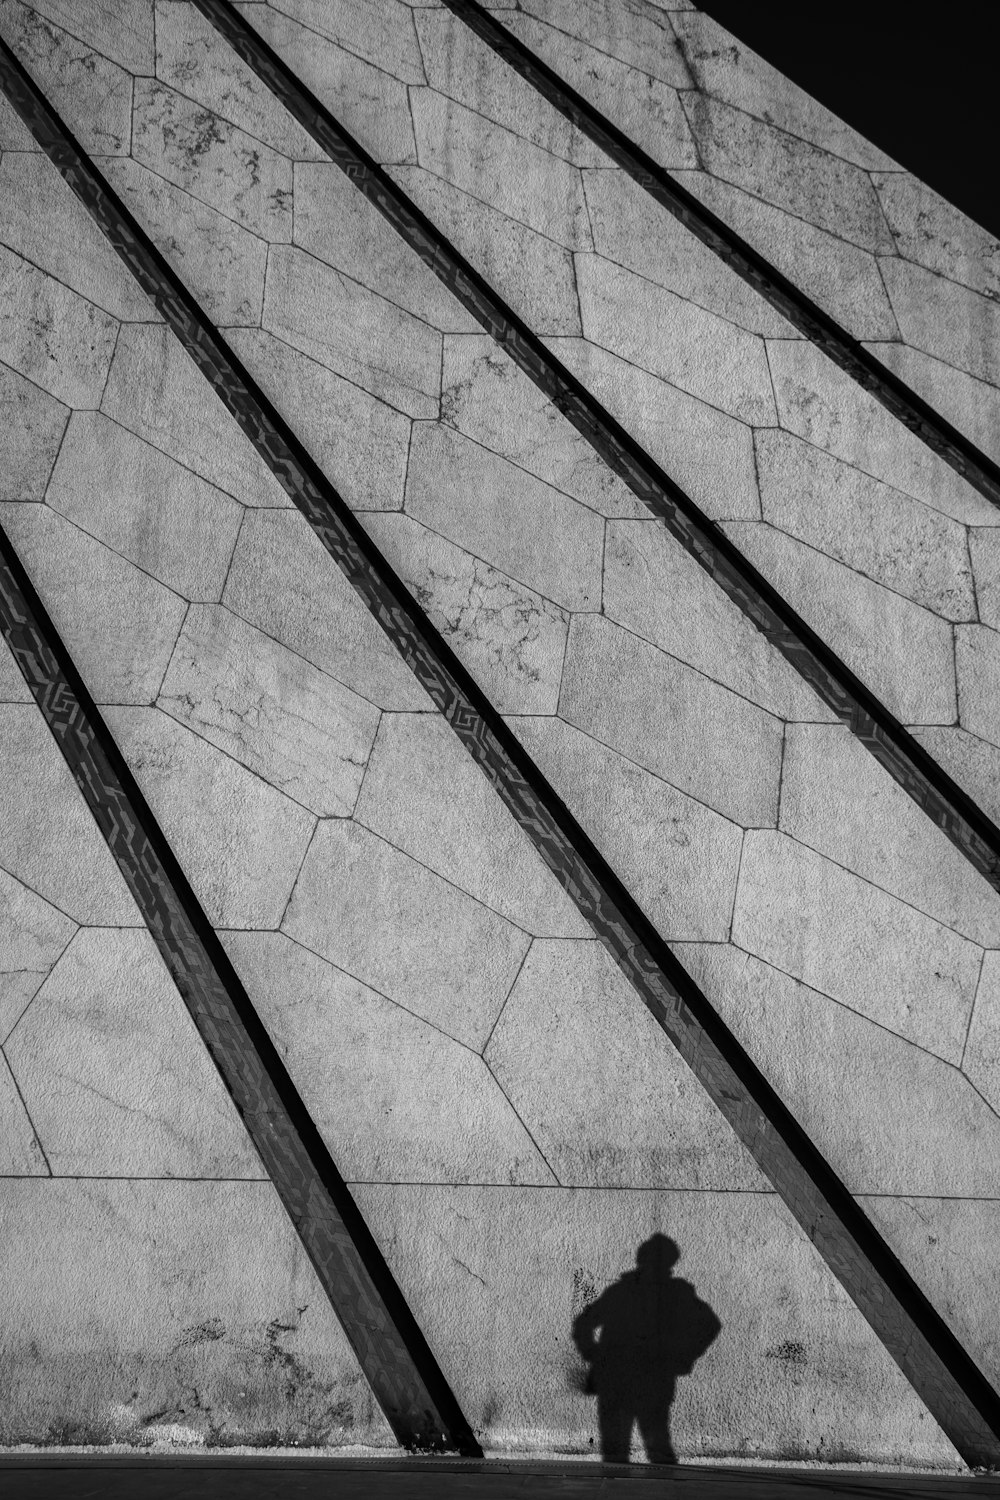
column 513, row 1122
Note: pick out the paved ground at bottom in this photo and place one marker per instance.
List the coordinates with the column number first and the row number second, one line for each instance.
column 168, row 1477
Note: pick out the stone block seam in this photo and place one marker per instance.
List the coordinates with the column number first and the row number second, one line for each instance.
column 930, row 786
column 941, row 1371
column 822, row 330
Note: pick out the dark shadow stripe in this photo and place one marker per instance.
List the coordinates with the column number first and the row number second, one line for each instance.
column 945, row 1377
column 930, row 786
column 818, row 326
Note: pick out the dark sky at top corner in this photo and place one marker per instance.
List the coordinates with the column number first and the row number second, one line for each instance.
column 921, row 82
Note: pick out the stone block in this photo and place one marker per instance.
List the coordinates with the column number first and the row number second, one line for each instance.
column 404, row 931
column 43, row 816
column 658, row 591
column 284, row 581
column 838, row 934
column 152, row 510
column 599, row 1085
column 50, row 334
column 117, row 622
column 197, row 150
column 353, row 331
column 303, row 732
column 395, row 1099
column 424, row 794
column 114, row 1074
column 239, row 842
column 32, row 424
column 697, row 736
column 683, row 344
column 507, row 517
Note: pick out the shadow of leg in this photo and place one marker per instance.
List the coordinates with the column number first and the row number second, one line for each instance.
column 614, row 1422
column 653, row 1418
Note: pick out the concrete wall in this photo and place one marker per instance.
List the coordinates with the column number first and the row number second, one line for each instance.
column 512, row 1122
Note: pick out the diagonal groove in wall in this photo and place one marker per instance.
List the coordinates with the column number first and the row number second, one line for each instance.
column 930, row 786
column 819, row 327
column 947, row 1380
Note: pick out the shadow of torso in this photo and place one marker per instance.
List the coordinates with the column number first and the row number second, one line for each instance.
column 652, row 1329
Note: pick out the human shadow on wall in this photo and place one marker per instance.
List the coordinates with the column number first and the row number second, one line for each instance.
column 643, row 1331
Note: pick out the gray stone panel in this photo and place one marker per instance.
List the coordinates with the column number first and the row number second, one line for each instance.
column 658, row 591
column 461, row 67
column 873, row 528
column 370, row 101
column 534, row 275
column 93, row 94
column 471, row 1260
column 683, row 344
column 190, row 60
column 147, row 1312
column 284, row 581
column 396, row 1099
column 119, row 623
column 119, row 489
column 499, row 513
column 841, row 278
column 222, row 263
column 631, row 229
column 888, row 1116
column 902, row 652
column 489, row 399
column 32, row 424
column 72, row 248
column 511, row 639
column 155, row 390
column 706, row 450
column 359, row 441
column 423, row 794
column 696, row 735
column 511, row 174
column 52, row 335
column 839, row 801
column 301, row 731
column 842, row 936
column 600, row 1087
column 380, row 31
column 121, row 30
column 243, row 875
column 404, row 931
column 43, row 815
column 116, row 1079
column 826, row 407
column 32, row 936
column 20, row 1152
column 650, row 115
column 334, row 223
column 781, row 167
column 196, row 150
column 678, row 858
column 353, row 331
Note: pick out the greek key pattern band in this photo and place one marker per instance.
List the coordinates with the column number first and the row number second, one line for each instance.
column 945, row 1377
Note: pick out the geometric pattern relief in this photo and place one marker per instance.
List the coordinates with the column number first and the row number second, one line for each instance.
column 391, row 1351
column 954, row 812
column 946, row 1379
column 817, row 326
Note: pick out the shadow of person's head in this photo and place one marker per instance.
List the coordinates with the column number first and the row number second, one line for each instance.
column 657, row 1256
